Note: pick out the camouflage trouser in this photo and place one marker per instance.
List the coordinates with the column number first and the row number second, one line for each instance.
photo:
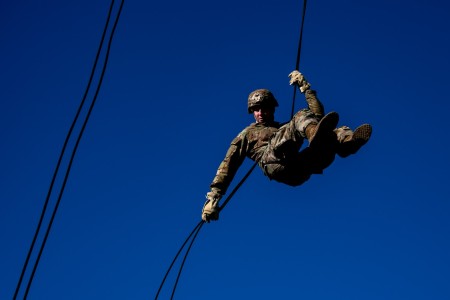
column 343, row 133
column 282, row 160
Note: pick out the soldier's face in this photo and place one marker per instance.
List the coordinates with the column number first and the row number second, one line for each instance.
column 263, row 114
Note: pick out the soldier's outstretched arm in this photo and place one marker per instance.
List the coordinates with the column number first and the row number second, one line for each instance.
column 225, row 174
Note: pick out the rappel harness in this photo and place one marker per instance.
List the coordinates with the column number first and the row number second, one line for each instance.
column 193, row 235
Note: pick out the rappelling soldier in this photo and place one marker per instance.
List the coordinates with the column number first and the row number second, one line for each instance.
column 276, row 147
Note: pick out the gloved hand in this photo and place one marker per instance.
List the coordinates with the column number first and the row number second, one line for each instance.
column 299, row 79
column 210, row 210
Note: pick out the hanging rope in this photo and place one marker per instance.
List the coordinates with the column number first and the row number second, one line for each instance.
column 299, row 49
column 194, row 234
column 198, row 227
column 62, row 154
column 184, row 260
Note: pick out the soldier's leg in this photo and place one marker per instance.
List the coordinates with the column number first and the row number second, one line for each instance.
column 299, row 170
column 314, row 161
column 349, row 142
column 320, row 134
column 284, row 146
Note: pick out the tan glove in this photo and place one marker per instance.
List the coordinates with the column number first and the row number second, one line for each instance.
column 210, row 210
column 298, row 79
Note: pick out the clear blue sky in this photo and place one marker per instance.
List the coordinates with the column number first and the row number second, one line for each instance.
column 375, row 225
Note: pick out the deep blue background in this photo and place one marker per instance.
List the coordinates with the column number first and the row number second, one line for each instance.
column 375, row 226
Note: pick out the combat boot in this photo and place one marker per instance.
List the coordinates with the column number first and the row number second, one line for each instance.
column 350, row 143
column 321, row 135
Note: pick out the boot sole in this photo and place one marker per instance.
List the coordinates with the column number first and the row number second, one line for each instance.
column 361, row 136
column 324, row 130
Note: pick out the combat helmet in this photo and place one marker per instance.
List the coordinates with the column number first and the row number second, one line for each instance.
column 261, row 97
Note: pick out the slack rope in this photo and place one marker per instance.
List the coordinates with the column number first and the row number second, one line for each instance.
column 199, row 226
column 196, row 230
column 38, row 229
column 194, row 234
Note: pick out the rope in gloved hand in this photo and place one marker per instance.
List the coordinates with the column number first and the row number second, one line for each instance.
column 199, row 226
column 297, row 64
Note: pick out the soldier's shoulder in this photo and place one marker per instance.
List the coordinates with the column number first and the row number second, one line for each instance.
column 248, row 129
column 243, row 134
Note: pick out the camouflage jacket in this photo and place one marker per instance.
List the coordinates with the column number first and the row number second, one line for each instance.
column 251, row 143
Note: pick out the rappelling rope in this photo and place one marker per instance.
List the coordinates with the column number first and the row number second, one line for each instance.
column 299, row 49
column 196, row 230
column 194, row 234
column 198, row 227
column 38, row 229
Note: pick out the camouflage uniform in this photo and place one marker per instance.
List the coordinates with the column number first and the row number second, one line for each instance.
column 276, row 148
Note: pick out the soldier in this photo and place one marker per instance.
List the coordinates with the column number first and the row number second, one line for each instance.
column 276, row 147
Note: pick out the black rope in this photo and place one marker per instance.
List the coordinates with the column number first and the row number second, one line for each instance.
column 184, row 260
column 72, row 156
column 299, row 49
column 198, row 227
column 176, row 256
column 194, row 233
column 237, row 186
column 44, row 209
